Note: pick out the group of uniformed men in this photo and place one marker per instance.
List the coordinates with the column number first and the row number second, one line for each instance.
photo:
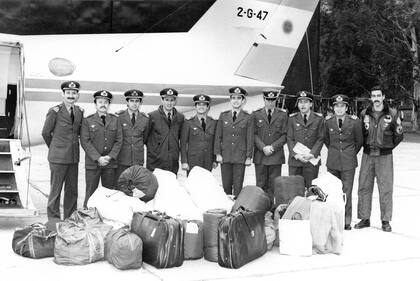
column 115, row 142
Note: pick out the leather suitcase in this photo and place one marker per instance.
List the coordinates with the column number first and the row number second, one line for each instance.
column 252, row 198
column 162, row 236
column 241, row 238
column 286, row 188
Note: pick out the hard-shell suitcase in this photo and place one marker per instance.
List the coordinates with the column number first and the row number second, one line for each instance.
column 252, row 198
column 162, row 236
column 286, row 188
column 241, row 238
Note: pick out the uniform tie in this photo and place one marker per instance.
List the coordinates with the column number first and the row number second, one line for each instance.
column 169, row 118
column 72, row 114
column 305, row 119
column 133, row 119
column 340, row 123
column 103, row 119
column 269, row 116
column 234, row 116
column 203, row 124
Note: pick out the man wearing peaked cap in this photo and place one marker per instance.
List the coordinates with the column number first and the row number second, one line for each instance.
column 134, row 127
column 197, row 137
column 61, row 134
column 305, row 127
column 270, row 124
column 101, row 138
column 233, row 142
column 343, row 138
column 164, row 134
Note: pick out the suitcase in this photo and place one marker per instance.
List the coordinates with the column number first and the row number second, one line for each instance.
column 241, row 238
column 193, row 239
column 286, row 188
column 162, row 236
column 34, row 241
column 252, row 198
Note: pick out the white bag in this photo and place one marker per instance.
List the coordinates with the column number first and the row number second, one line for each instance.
column 295, row 237
column 206, row 191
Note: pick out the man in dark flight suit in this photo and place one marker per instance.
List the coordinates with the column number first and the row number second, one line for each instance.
column 343, row 138
column 61, row 133
column 270, row 125
column 164, row 134
column 234, row 141
column 134, row 127
column 101, row 139
column 197, row 137
column 305, row 127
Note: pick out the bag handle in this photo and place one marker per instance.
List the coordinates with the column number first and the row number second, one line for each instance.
column 252, row 232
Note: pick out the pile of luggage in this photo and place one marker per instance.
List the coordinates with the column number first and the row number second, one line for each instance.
column 166, row 223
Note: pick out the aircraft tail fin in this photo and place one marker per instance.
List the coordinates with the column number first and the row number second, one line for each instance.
column 270, row 56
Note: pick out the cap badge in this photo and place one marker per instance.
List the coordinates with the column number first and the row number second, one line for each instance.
column 202, row 98
column 271, row 95
column 303, row 94
column 72, row 85
column 237, row 91
column 339, row 98
column 170, row 92
column 104, row 94
column 135, row 93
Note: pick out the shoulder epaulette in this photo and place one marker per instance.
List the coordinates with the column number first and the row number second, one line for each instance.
column 144, row 114
column 293, row 114
column 246, row 112
column 319, row 114
column 283, row 110
column 112, row 114
column 189, row 118
column 354, row 117
column 226, row 111
column 55, row 108
column 211, row 118
column 328, row 117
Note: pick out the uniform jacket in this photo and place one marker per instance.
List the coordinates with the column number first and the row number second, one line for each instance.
column 234, row 140
column 273, row 134
column 99, row 140
column 343, row 144
column 310, row 135
column 197, row 144
column 163, row 140
column 385, row 134
column 61, row 136
column 134, row 138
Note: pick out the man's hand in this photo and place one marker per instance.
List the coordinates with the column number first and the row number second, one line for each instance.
column 308, row 156
column 219, row 158
column 248, row 162
column 267, row 150
column 300, row 158
column 185, row 166
column 103, row 161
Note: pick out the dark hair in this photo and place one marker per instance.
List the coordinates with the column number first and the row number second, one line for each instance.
column 375, row 88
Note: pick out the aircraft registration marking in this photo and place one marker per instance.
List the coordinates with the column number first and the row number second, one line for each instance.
column 251, row 13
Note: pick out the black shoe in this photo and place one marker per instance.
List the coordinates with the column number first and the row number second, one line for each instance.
column 362, row 224
column 347, row 227
column 386, row 226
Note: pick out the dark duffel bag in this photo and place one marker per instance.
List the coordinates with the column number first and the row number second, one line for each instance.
column 162, row 236
column 241, row 238
column 252, row 198
column 34, row 241
column 140, row 178
column 286, row 188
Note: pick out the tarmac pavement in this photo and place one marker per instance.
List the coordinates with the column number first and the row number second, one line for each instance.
column 368, row 253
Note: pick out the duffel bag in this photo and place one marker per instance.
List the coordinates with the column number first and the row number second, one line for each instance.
column 193, row 239
column 241, row 238
column 78, row 244
column 139, row 182
column 252, row 198
column 286, row 188
column 34, row 241
column 86, row 216
column 162, row 236
column 123, row 249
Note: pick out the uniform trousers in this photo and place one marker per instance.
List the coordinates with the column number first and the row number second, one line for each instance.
column 265, row 176
column 379, row 167
column 347, row 178
column 92, row 180
column 308, row 173
column 67, row 174
column 232, row 177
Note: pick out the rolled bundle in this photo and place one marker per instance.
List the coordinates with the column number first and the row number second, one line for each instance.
column 210, row 224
